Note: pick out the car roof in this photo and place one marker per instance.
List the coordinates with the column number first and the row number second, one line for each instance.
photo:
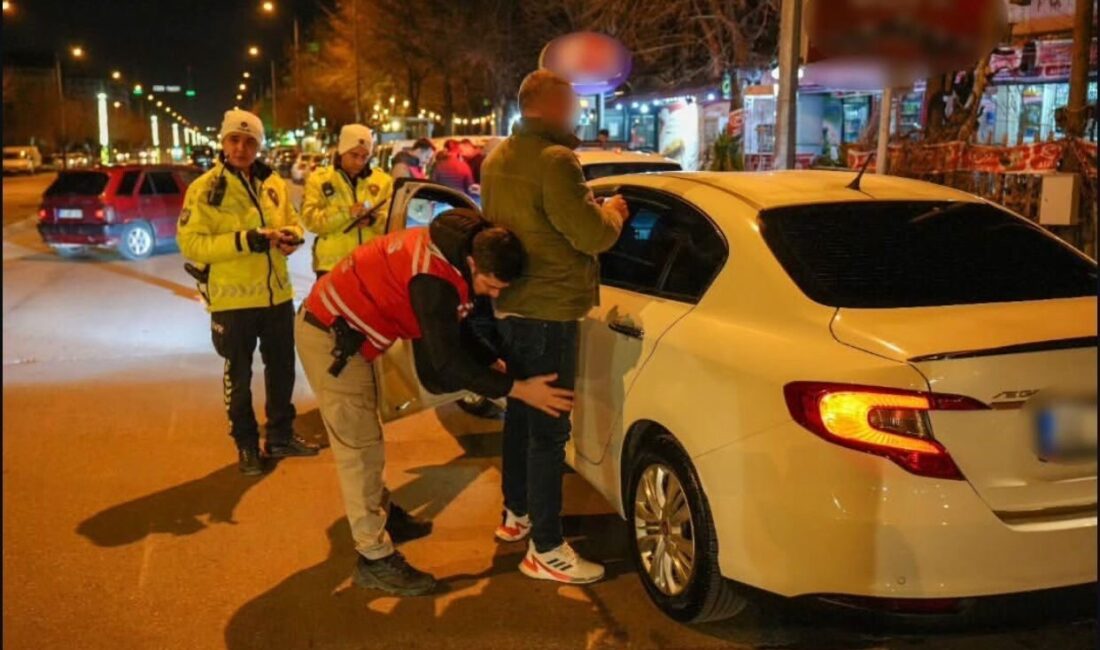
column 765, row 190
column 603, row 156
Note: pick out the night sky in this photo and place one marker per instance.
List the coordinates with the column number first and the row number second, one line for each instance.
column 153, row 41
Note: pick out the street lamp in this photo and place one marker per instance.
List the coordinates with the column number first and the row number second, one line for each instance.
column 116, row 75
column 104, row 141
column 253, row 51
column 77, row 52
column 9, row 8
column 242, row 87
column 268, row 7
column 246, row 74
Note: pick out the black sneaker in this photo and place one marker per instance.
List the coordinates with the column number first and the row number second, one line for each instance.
column 294, row 446
column 404, row 527
column 249, row 462
column 392, row 574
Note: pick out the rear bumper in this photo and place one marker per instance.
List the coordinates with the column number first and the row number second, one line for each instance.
column 796, row 515
column 81, row 234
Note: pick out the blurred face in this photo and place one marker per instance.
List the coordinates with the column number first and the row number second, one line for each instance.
column 485, row 284
column 423, row 155
column 558, row 108
column 240, row 150
column 354, row 160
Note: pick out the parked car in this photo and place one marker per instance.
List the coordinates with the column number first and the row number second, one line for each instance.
column 598, row 163
column 77, row 159
column 129, row 208
column 305, row 164
column 203, row 156
column 22, row 160
column 885, row 397
column 283, row 158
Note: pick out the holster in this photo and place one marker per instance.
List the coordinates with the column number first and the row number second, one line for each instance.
column 348, row 343
column 202, row 278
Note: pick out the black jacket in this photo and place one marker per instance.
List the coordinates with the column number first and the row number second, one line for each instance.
column 453, row 355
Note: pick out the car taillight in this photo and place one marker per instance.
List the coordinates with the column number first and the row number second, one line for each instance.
column 884, row 421
column 43, row 213
column 100, row 214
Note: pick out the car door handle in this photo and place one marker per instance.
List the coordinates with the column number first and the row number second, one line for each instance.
column 626, row 329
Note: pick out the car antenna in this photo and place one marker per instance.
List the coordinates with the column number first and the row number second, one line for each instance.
column 854, row 185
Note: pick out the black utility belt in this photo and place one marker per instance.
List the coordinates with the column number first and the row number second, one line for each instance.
column 314, row 321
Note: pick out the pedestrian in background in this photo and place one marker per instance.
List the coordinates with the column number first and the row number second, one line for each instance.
column 238, row 226
column 533, row 185
column 411, row 162
column 451, row 170
column 345, row 204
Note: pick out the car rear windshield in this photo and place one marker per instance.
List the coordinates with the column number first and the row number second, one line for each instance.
column 14, row 155
column 81, row 183
column 600, row 170
column 921, row 253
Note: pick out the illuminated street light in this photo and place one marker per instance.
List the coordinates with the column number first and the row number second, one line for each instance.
column 77, row 52
column 246, row 74
column 9, row 8
column 116, row 75
column 242, row 87
column 156, row 131
column 253, row 51
column 405, row 104
column 175, row 135
column 238, row 98
column 101, row 106
column 117, row 104
column 159, row 103
column 268, row 7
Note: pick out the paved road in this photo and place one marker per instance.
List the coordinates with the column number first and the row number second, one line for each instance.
column 126, row 524
column 22, row 195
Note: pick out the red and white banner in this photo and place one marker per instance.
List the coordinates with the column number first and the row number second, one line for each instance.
column 948, row 157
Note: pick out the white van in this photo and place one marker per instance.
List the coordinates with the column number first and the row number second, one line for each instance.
column 22, row 160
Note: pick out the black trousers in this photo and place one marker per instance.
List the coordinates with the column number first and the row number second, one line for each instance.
column 235, row 333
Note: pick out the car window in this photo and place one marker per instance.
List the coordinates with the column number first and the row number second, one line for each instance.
column 600, row 170
column 79, row 183
column 127, row 184
column 878, row 254
column 147, row 187
column 667, row 248
column 165, row 182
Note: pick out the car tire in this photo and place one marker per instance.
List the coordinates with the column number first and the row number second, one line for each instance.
column 479, row 406
column 137, row 241
column 703, row 595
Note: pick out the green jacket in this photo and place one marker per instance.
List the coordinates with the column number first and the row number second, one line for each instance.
column 533, row 185
column 218, row 210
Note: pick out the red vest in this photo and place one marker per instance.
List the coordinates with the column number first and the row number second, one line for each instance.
column 369, row 289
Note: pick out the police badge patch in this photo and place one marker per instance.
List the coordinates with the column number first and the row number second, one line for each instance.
column 273, row 195
column 373, row 188
column 327, row 189
column 185, row 216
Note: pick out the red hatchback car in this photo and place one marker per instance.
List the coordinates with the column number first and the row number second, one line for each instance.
column 130, row 208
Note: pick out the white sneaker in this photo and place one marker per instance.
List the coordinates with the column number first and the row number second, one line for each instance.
column 561, row 565
column 513, row 528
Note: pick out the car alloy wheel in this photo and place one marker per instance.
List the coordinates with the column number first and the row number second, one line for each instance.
column 663, row 529
column 137, row 241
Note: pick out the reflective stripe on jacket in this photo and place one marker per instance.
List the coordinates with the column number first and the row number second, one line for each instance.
column 327, row 209
column 369, row 289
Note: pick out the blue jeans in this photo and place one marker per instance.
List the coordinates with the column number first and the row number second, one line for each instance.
column 534, row 442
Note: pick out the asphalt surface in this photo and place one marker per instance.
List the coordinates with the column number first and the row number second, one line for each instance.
column 126, row 524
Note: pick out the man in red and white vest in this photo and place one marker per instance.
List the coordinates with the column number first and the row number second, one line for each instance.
column 420, row 285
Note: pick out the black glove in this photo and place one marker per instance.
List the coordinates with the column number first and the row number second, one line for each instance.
column 257, row 241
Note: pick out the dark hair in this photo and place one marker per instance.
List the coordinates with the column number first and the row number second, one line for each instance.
column 467, row 141
column 604, row 132
column 423, row 143
column 450, row 145
column 498, row 252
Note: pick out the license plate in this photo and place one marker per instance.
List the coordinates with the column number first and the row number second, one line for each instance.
column 70, row 214
column 1066, row 432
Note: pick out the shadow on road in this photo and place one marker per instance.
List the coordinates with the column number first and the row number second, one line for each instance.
column 179, row 510
column 320, row 608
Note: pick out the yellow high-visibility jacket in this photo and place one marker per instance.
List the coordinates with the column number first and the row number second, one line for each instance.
column 327, row 211
column 220, row 207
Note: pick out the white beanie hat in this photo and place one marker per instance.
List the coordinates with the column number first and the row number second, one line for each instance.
column 354, row 135
column 243, row 122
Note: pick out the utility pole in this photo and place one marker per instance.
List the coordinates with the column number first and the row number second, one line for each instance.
column 885, row 110
column 297, row 79
column 274, row 99
column 786, row 122
column 1079, row 69
column 61, row 107
column 355, row 53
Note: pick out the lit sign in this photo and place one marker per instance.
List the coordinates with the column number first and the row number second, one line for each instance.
column 166, row 89
column 592, row 62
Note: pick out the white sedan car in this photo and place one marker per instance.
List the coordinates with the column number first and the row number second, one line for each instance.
column 305, row 164
column 884, row 395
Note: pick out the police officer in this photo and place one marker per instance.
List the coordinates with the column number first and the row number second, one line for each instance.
column 418, row 285
column 345, row 203
column 237, row 227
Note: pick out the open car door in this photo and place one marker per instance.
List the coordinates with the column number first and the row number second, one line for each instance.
column 415, row 203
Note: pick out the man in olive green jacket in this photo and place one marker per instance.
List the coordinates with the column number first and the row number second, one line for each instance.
column 533, row 185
